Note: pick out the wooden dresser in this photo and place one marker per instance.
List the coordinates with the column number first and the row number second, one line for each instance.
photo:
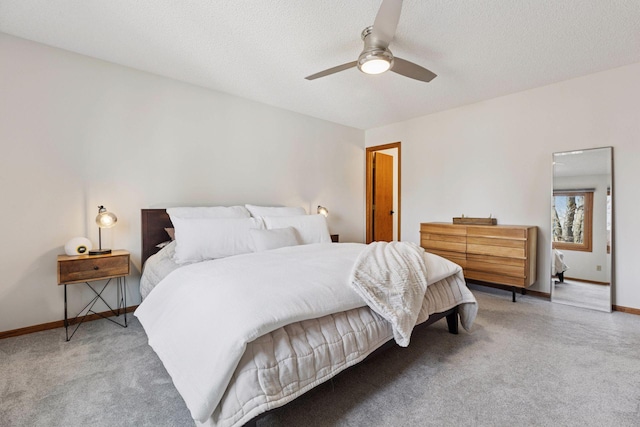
column 502, row 254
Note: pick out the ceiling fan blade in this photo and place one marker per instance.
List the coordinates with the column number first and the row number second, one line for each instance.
column 384, row 27
column 332, row 70
column 411, row 70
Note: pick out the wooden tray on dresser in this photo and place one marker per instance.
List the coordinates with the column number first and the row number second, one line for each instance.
column 475, row 221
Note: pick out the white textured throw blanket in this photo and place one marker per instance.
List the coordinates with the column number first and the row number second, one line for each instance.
column 392, row 279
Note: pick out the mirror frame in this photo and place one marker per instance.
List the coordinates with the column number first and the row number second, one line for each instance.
column 609, row 216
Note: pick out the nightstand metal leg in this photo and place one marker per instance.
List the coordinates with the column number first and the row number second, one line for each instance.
column 122, row 298
column 124, row 306
column 121, row 302
column 66, row 320
column 118, row 297
column 115, row 312
column 98, row 296
column 89, row 307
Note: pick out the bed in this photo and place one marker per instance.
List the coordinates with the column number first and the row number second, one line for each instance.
column 282, row 323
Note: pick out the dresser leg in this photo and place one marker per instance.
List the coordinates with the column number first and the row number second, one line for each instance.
column 513, row 294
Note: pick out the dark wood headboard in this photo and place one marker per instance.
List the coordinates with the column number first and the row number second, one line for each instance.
column 154, row 221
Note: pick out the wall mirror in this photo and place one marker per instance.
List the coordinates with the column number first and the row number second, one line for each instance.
column 581, row 228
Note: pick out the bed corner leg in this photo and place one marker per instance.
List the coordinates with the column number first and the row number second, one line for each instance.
column 452, row 321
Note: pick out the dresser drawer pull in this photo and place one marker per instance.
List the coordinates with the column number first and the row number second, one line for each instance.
column 95, row 267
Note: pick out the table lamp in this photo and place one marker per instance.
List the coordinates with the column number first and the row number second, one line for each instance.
column 104, row 220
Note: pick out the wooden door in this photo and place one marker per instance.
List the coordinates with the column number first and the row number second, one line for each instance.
column 382, row 197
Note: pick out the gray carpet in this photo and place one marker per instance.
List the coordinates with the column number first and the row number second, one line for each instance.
column 531, row 363
column 581, row 294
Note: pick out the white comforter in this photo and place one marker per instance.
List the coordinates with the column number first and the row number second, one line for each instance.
column 200, row 318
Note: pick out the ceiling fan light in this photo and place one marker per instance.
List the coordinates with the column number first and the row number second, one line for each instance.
column 375, row 66
column 375, row 62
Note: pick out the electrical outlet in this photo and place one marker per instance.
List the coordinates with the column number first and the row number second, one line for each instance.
column 598, row 268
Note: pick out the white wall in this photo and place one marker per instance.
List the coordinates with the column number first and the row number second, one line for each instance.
column 78, row 132
column 494, row 157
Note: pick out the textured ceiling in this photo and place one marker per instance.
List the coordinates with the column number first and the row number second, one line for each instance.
column 584, row 162
column 262, row 50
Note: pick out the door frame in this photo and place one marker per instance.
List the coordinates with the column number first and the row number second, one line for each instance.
column 369, row 186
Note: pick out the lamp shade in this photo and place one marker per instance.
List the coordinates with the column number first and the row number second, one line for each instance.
column 323, row 211
column 105, row 219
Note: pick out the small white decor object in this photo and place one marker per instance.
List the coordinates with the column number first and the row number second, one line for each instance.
column 78, row 246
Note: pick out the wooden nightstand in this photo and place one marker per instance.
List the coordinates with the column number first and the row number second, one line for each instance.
column 88, row 268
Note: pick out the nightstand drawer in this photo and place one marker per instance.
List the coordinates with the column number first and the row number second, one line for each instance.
column 85, row 268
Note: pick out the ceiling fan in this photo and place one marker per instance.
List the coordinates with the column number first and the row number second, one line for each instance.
column 376, row 57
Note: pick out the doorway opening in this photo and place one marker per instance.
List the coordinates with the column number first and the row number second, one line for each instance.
column 383, row 192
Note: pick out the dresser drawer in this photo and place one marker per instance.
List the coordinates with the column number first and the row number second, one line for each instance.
column 458, row 258
column 87, row 268
column 443, row 245
column 447, row 229
column 488, row 259
column 495, row 278
column 498, row 231
column 490, row 267
column 496, row 241
column 452, row 238
column 499, row 247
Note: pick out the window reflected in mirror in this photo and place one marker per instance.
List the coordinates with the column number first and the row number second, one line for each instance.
column 572, row 214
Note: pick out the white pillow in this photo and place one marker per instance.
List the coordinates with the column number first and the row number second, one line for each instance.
column 257, row 211
column 209, row 212
column 310, row 228
column 263, row 240
column 199, row 239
